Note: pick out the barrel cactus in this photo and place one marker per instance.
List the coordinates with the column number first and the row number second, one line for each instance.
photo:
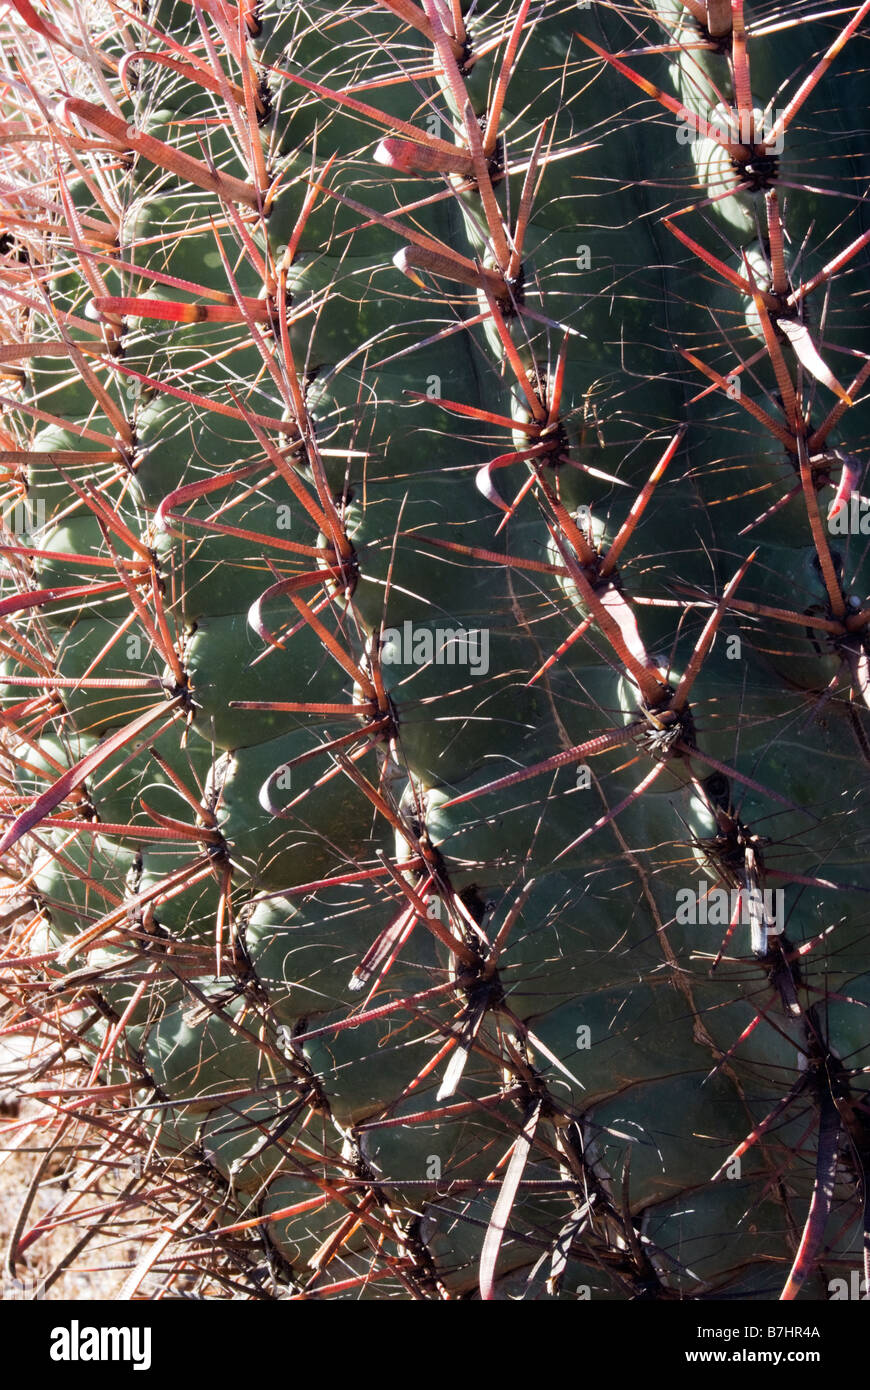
column 435, row 637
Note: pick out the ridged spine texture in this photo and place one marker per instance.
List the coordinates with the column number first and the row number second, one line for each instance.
column 556, row 1102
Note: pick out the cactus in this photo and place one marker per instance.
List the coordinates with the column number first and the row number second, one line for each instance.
column 435, row 653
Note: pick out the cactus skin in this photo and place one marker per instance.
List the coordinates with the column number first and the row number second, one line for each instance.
column 387, row 952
